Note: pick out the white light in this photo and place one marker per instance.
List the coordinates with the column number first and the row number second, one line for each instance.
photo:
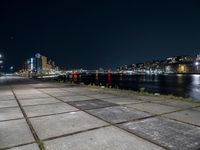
column 0, row 55
column 196, row 63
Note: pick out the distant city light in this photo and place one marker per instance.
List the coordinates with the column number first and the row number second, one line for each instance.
column 11, row 68
column 1, row 56
column 1, row 61
column 197, row 63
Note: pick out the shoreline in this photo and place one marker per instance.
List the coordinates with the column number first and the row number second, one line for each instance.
column 130, row 92
column 139, row 93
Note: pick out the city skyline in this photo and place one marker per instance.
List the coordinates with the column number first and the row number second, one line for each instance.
column 98, row 34
column 40, row 63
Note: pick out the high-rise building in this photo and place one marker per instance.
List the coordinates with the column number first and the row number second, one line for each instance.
column 39, row 64
column 198, row 57
column 44, row 62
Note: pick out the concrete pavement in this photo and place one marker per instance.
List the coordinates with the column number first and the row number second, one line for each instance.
column 54, row 116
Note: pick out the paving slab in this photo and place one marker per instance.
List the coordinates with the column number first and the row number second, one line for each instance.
column 149, row 98
column 57, row 125
column 52, row 90
column 189, row 116
column 122, row 100
column 153, row 108
column 7, row 97
column 75, row 98
column 179, row 104
column 77, row 89
column 63, row 94
column 39, row 101
column 27, row 147
column 10, row 113
column 31, row 96
column 108, row 138
column 4, row 104
column 47, row 85
column 6, row 93
column 89, row 92
column 198, row 108
column 168, row 133
column 118, row 114
column 91, row 104
column 100, row 96
column 26, row 92
column 48, row 109
column 15, row 132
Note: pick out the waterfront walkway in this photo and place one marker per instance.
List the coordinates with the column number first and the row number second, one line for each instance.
column 54, row 116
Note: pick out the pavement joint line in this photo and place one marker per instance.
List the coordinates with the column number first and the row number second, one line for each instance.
column 94, row 97
column 178, row 109
column 11, row 119
column 135, row 120
column 54, row 114
column 133, row 103
column 7, row 100
column 38, row 141
column 23, row 99
column 115, row 125
column 74, row 133
column 161, row 115
column 182, row 121
column 67, row 102
column 69, row 111
column 142, row 101
column 149, row 140
column 76, row 93
column 80, row 109
column 30, row 98
column 6, row 148
column 9, row 107
column 41, row 104
column 174, row 106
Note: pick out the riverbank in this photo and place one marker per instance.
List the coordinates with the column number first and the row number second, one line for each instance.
column 186, row 86
column 125, row 92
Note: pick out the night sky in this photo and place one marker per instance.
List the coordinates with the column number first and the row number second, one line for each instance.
column 93, row 34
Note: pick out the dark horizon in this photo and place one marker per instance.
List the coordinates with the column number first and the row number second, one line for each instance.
column 93, row 34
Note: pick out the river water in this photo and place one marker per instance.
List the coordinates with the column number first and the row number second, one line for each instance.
column 187, row 86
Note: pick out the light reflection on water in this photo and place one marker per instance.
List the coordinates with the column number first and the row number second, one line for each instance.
column 195, row 87
column 178, row 85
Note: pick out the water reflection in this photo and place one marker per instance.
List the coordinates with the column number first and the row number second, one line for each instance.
column 195, row 87
column 179, row 78
column 196, row 79
column 179, row 85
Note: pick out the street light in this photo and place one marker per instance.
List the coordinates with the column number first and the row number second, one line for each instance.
column 197, row 63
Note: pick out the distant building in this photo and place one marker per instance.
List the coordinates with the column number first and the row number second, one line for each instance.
column 198, row 57
column 39, row 64
column 174, row 64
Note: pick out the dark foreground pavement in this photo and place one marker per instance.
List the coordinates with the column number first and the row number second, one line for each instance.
column 53, row 116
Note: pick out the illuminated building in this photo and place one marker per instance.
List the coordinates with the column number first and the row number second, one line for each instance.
column 198, row 57
column 39, row 65
column 183, row 68
column 44, row 62
column 174, row 64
